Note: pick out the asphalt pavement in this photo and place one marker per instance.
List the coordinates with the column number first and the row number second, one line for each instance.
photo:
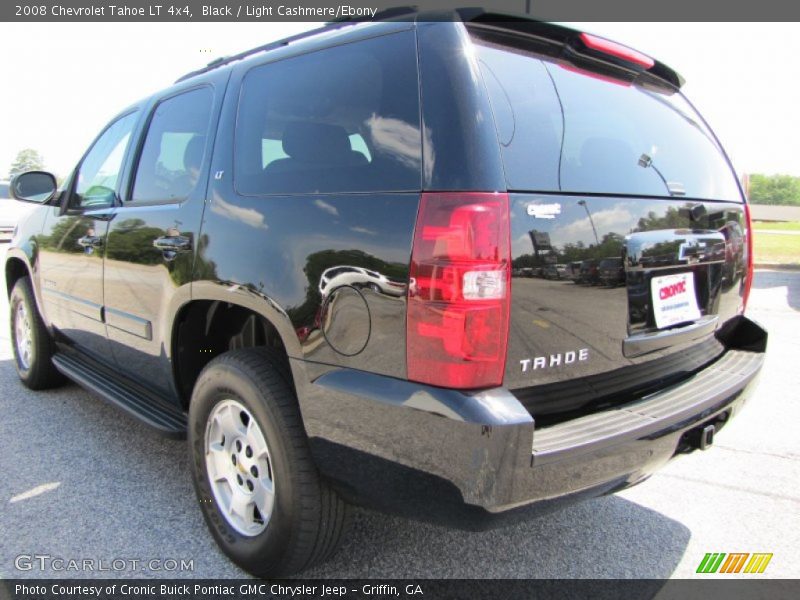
column 82, row 481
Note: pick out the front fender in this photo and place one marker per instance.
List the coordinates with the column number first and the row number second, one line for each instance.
column 22, row 256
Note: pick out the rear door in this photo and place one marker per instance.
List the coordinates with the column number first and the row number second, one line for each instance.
column 153, row 238
column 600, row 168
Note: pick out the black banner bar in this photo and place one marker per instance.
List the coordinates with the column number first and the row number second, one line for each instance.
column 319, row 10
column 423, row 589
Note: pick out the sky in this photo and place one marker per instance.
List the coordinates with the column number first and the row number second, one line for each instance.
column 64, row 81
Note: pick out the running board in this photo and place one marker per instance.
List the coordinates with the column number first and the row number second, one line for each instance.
column 156, row 413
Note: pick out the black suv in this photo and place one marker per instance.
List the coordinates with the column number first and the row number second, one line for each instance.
column 611, row 272
column 300, row 257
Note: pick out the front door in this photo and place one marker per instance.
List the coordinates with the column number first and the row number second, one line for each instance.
column 72, row 244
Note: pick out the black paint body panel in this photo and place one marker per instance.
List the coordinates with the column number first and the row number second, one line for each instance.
column 615, row 325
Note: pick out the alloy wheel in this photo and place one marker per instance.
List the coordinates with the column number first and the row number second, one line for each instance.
column 239, row 467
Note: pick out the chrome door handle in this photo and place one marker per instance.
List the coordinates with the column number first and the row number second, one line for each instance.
column 173, row 243
column 638, row 345
column 90, row 241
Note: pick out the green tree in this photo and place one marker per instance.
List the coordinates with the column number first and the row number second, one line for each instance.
column 27, row 160
column 133, row 242
column 64, row 235
column 610, row 246
column 672, row 219
column 775, row 189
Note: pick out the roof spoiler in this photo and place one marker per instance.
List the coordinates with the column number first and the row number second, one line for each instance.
column 575, row 46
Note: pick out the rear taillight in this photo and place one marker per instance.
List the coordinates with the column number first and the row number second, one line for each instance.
column 749, row 276
column 459, row 292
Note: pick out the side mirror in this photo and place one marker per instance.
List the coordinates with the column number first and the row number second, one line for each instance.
column 34, row 186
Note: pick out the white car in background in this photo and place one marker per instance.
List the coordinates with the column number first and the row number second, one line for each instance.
column 11, row 212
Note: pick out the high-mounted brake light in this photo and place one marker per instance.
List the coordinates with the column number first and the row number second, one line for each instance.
column 748, row 282
column 616, row 50
column 584, row 72
column 459, row 297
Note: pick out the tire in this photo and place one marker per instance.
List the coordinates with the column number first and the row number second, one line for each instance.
column 32, row 344
column 306, row 520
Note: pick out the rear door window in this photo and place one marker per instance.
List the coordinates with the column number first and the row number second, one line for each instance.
column 342, row 119
column 569, row 131
column 172, row 156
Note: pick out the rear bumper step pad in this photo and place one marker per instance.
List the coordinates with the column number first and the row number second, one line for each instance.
column 691, row 400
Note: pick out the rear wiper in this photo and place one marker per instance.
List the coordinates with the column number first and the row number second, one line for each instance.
column 674, row 188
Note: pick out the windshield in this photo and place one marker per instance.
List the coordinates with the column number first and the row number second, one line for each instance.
column 565, row 130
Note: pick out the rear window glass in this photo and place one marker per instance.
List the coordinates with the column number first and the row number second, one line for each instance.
column 343, row 119
column 568, row 131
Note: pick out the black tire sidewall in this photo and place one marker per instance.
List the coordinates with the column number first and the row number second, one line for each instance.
column 21, row 294
column 266, row 551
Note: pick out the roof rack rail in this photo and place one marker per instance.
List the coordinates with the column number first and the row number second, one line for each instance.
column 386, row 14
column 478, row 16
column 389, row 13
column 224, row 60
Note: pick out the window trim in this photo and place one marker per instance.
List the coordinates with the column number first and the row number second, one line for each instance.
column 128, row 199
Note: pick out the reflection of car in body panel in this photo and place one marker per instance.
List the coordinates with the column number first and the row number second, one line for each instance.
column 734, row 248
column 358, row 277
column 588, row 272
column 611, row 272
column 573, row 271
column 231, row 194
column 12, row 212
column 555, row 271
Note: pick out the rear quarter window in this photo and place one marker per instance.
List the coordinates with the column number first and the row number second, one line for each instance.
column 569, row 131
column 341, row 119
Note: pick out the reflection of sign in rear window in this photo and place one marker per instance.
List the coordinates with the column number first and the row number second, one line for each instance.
column 540, row 239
